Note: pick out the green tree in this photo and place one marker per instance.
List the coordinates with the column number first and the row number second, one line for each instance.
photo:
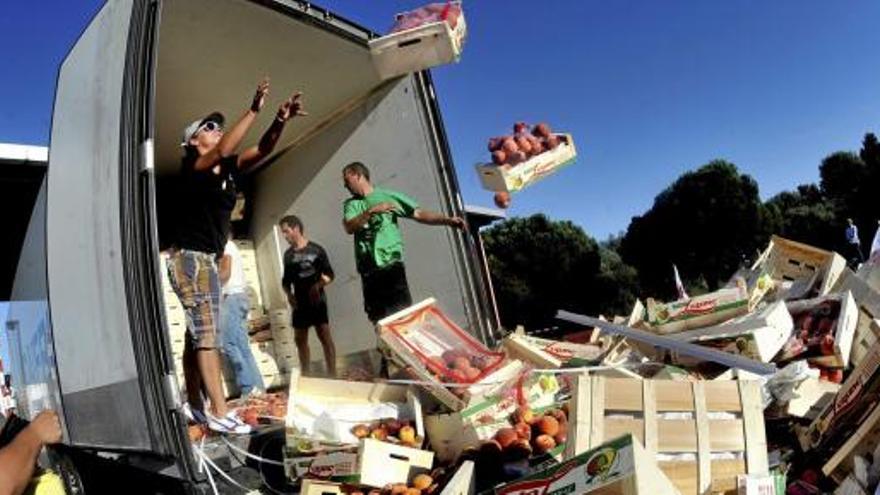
column 539, row 266
column 806, row 215
column 707, row 222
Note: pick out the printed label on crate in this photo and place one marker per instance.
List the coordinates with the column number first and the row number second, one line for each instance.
column 588, row 471
column 569, row 353
column 705, row 309
column 337, row 466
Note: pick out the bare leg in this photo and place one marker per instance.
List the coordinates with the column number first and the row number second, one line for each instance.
column 191, row 376
column 301, row 338
column 209, row 366
column 329, row 348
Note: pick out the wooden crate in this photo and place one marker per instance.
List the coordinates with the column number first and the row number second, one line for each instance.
column 417, row 49
column 617, row 467
column 844, row 329
column 868, row 302
column 595, row 399
column 786, row 260
column 451, row 433
column 493, row 379
column 342, row 393
column 756, row 335
column 863, row 442
column 547, row 353
column 856, row 398
column 699, row 311
column 513, row 178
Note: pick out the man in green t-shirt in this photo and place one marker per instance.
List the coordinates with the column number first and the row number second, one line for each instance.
column 371, row 216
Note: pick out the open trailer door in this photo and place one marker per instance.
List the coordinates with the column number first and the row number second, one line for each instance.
column 110, row 370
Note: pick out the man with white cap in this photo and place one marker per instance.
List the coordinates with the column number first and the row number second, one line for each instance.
column 210, row 168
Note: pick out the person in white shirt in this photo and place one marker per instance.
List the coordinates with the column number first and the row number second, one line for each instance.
column 234, row 306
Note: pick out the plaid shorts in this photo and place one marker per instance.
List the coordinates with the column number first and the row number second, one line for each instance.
column 194, row 278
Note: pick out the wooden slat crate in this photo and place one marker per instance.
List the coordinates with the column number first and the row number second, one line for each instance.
column 789, row 260
column 596, row 402
column 862, row 442
column 868, row 301
column 419, row 48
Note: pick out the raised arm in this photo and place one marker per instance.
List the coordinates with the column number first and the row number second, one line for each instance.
column 232, row 137
column 291, row 107
column 429, row 217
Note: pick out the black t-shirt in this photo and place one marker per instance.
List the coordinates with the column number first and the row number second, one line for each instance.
column 205, row 203
column 302, row 268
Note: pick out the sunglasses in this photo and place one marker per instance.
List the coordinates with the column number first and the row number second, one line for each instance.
column 209, row 126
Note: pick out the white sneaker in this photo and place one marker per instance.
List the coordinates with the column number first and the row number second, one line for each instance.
column 229, row 424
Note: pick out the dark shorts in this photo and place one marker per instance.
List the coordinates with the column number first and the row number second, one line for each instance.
column 309, row 315
column 386, row 292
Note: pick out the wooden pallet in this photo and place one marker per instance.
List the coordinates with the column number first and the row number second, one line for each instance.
column 595, row 398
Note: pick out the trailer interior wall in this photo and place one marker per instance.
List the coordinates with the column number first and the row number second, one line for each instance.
column 211, row 56
column 388, row 133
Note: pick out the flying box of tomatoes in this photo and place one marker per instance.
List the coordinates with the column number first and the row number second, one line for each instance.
column 525, row 157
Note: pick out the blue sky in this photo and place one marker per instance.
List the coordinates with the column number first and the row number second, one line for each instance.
column 649, row 89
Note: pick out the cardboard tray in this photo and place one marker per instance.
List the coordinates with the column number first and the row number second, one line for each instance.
column 513, row 178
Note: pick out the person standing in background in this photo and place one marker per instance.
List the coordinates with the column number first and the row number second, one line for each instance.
column 307, row 271
column 853, row 242
column 234, row 307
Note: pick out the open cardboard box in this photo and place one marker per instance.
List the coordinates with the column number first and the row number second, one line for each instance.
column 334, row 397
column 757, row 335
column 513, row 178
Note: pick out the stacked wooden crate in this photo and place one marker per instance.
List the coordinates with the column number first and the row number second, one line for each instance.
column 282, row 334
column 265, row 354
column 176, row 319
